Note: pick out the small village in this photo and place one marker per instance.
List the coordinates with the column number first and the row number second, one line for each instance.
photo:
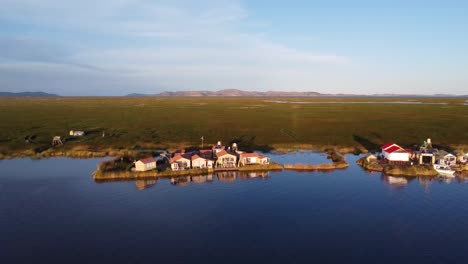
column 427, row 161
column 392, row 160
column 218, row 158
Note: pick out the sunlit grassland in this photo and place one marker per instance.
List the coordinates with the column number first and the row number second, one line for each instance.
column 132, row 123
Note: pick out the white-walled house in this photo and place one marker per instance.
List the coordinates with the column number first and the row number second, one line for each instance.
column 446, row 158
column 252, row 159
column 394, row 153
column 198, row 162
column 180, row 162
column 226, row 159
column 201, row 163
column 145, row 164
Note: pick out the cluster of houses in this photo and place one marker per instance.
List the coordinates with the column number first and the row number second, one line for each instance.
column 395, row 154
column 217, row 157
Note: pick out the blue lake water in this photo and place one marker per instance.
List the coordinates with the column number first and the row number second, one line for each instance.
column 52, row 211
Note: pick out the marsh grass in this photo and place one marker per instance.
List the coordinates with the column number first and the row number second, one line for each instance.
column 133, row 124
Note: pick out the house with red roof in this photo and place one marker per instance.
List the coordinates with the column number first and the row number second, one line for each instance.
column 252, row 159
column 226, row 159
column 395, row 153
column 145, row 164
column 199, row 162
column 180, row 162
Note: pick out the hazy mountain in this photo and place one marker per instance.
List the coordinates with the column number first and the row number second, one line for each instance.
column 232, row 93
column 27, row 94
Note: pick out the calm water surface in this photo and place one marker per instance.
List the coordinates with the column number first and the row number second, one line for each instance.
column 52, row 211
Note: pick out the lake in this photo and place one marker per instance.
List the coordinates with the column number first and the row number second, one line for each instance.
column 52, row 211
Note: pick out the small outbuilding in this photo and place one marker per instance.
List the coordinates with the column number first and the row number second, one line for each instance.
column 145, row 164
column 76, row 133
column 252, row 159
column 446, row 158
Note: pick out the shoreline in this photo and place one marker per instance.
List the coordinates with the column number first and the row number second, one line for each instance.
column 129, row 175
column 90, row 152
column 403, row 170
column 120, row 169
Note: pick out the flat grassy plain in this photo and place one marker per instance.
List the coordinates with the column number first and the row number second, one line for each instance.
column 254, row 123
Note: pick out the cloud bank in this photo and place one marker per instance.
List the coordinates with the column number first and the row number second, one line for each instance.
column 122, row 46
column 116, row 47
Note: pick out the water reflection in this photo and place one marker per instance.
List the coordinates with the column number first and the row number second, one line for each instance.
column 227, row 176
column 254, row 175
column 396, row 181
column 181, row 181
column 202, row 179
column 425, row 181
column 224, row 176
column 144, row 184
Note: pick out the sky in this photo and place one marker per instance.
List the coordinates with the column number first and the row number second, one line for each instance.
column 117, row 47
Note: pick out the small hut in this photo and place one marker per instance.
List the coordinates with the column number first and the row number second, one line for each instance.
column 76, row 133
column 145, row 164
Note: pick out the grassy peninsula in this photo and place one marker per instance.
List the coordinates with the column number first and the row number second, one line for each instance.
column 132, row 125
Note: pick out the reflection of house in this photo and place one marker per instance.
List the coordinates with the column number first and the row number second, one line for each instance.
column 227, row 176
column 252, row 158
column 182, row 181
column 394, row 153
column 226, row 159
column 253, row 174
column 395, row 181
column 446, row 158
column 145, row 164
column 180, row 162
column 143, row 184
column 199, row 179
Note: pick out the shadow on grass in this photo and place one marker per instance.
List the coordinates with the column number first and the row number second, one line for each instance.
column 247, row 143
column 366, row 143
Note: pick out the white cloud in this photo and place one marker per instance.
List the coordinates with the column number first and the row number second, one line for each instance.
column 163, row 45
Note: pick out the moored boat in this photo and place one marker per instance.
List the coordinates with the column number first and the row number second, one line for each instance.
column 444, row 170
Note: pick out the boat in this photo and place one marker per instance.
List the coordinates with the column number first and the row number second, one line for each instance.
column 444, row 170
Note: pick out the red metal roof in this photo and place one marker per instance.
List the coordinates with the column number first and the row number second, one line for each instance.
column 148, row 160
column 394, row 148
column 387, row 145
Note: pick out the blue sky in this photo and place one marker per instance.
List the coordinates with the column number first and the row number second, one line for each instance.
column 116, row 47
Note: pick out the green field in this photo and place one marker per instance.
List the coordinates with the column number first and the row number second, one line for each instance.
column 254, row 123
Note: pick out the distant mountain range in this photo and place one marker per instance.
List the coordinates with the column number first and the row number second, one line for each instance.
column 27, row 94
column 241, row 93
